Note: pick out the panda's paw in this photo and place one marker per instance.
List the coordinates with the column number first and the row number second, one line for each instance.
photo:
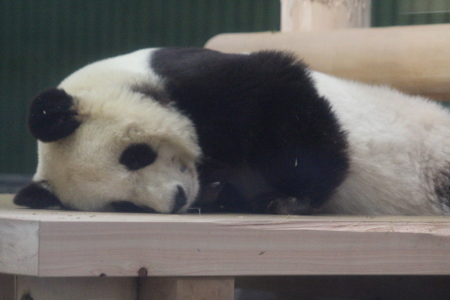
column 290, row 206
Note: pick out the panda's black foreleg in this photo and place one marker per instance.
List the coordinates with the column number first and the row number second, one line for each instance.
column 303, row 179
column 303, row 156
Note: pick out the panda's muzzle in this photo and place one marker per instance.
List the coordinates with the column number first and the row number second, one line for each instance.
column 180, row 199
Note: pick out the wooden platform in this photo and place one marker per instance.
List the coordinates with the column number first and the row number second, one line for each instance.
column 62, row 243
column 210, row 250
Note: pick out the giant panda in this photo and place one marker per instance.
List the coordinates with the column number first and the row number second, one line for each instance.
column 162, row 130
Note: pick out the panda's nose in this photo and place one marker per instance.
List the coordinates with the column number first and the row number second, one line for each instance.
column 180, row 199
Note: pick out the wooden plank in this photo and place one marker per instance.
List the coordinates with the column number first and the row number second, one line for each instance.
column 186, row 288
column 413, row 59
column 243, row 247
column 41, row 288
column 6, row 287
column 118, row 244
column 19, row 246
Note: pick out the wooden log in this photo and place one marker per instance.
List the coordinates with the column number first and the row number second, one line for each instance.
column 186, row 288
column 313, row 15
column 413, row 59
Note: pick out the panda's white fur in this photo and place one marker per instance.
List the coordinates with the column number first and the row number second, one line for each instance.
column 88, row 180
column 398, row 145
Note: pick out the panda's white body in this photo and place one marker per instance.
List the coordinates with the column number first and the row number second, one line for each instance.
column 398, row 147
column 399, row 144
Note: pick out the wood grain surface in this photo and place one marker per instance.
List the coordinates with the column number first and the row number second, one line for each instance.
column 119, row 244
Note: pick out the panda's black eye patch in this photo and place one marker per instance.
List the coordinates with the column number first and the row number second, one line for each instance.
column 137, row 156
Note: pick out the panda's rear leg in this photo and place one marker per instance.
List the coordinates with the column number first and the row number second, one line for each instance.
column 290, row 205
column 277, row 203
column 302, row 179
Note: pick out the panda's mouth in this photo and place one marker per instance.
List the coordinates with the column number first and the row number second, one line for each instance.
column 129, row 207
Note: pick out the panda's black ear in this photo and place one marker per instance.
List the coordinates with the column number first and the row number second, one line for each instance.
column 51, row 116
column 36, row 195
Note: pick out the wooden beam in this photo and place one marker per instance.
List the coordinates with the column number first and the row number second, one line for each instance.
column 75, row 288
column 7, row 284
column 413, row 59
column 348, row 287
column 186, row 288
column 117, row 244
column 19, row 245
column 313, row 15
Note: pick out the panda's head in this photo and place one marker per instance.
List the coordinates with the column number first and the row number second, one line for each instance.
column 105, row 148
